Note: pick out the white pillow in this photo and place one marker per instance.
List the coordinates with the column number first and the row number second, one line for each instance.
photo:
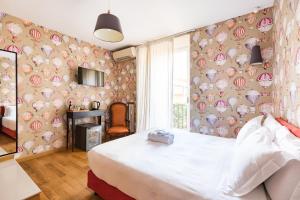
column 285, row 183
column 248, row 128
column 10, row 111
column 288, row 142
column 254, row 160
column 271, row 123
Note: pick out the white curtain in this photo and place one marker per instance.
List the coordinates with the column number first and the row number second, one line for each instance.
column 143, row 90
column 154, row 85
column 161, row 84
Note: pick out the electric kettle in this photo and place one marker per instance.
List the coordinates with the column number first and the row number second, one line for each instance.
column 95, row 105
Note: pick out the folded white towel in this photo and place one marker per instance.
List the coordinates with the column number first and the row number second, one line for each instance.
column 161, row 136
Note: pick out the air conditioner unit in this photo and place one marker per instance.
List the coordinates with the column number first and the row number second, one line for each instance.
column 124, row 54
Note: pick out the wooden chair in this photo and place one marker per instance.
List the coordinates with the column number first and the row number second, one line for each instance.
column 118, row 123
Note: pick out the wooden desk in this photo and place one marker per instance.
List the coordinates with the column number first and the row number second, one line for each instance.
column 81, row 114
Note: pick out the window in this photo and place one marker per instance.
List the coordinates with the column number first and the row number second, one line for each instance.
column 181, row 66
column 163, row 84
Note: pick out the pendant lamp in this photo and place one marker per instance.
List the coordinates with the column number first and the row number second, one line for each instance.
column 108, row 28
column 256, row 58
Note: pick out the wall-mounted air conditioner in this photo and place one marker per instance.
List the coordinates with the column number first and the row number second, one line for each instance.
column 124, row 54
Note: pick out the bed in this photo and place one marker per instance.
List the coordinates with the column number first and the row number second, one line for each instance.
column 8, row 121
column 191, row 168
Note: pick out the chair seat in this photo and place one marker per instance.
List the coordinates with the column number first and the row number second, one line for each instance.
column 117, row 130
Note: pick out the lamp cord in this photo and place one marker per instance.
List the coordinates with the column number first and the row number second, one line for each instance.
column 108, row 5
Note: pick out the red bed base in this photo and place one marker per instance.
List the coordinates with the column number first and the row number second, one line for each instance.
column 104, row 190
column 9, row 132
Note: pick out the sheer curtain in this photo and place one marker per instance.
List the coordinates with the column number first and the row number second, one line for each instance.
column 161, row 84
column 154, row 85
column 143, row 88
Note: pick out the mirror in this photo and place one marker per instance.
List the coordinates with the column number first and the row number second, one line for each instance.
column 8, row 103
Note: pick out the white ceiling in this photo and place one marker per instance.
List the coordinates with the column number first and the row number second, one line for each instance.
column 141, row 20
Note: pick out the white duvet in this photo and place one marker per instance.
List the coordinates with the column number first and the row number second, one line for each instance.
column 190, row 168
column 9, row 122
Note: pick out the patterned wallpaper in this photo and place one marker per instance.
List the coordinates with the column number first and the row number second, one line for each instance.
column 225, row 90
column 287, row 60
column 126, row 80
column 47, row 66
column 7, row 81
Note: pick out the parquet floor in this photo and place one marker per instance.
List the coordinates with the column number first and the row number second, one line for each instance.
column 7, row 143
column 61, row 176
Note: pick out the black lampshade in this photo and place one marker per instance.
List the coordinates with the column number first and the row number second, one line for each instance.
column 256, row 58
column 108, row 28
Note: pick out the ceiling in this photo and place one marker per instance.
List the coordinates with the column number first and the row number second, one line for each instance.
column 141, row 20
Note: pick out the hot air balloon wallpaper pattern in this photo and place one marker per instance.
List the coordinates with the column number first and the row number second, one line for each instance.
column 47, row 62
column 230, row 90
column 286, row 61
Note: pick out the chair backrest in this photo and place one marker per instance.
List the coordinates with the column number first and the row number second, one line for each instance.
column 118, row 114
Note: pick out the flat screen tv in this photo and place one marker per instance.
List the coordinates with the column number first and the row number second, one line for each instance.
column 90, row 77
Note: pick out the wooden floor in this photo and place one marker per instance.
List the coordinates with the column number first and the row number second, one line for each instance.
column 61, row 175
column 7, row 143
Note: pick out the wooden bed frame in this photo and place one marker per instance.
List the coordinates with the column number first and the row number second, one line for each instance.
column 109, row 192
column 7, row 131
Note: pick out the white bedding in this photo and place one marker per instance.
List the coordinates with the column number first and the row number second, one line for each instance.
column 9, row 122
column 191, row 168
